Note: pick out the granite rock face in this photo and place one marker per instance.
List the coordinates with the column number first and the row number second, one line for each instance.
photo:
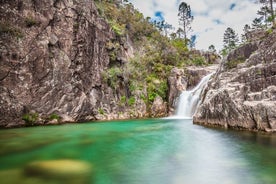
column 52, row 56
column 242, row 93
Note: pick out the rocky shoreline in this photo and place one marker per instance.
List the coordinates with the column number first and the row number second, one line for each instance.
column 242, row 93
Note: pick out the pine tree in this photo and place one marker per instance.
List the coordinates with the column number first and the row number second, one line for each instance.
column 257, row 24
column 271, row 10
column 263, row 12
column 246, row 30
column 212, row 49
column 230, row 39
column 185, row 18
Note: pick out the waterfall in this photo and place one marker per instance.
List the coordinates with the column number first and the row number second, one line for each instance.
column 189, row 100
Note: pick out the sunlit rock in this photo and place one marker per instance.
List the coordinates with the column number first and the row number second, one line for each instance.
column 71, row 170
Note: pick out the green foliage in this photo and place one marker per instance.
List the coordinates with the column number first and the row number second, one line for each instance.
column 234, row 63
column 230, row 39
column 185, row 18
column 30, row 118
column 54, row 116
column 155, row 54
column 269, row 31
column 123, row 100
column 111, row 76
column 7, row 29
column 198, row 61
column 131, row 101
column 30, row 22
column 117, row 28
column 101, row 111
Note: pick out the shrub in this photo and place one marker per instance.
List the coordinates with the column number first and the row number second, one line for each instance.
column 30, row 22
column 6, row 28
column 233, row 63
column 101, row 111
column 123, row 100
column 54, row 116
column 30, row 118
column 111, row 76
column 131, row 101
column 198, row 60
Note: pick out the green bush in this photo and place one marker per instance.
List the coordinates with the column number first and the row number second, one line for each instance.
column 101, row 111
column 198, row 61
column 233, row 63
column 6, row 28
column 30, row 118
column 131, row 101
column 123, row 100
column 111, row 76
column 30, row 22
column 54, row 116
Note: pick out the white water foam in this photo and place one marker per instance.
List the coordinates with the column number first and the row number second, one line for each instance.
column 189, row 100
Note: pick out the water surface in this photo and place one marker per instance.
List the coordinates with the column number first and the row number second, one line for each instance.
column 143, row 151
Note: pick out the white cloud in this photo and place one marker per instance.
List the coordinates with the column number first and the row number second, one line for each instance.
column 205, row 13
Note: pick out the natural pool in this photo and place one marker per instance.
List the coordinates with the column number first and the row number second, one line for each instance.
column 157, row 151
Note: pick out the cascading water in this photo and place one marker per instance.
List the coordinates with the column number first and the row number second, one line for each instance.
column 189, row 100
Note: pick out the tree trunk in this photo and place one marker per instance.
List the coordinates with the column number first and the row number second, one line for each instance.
column 272, row 13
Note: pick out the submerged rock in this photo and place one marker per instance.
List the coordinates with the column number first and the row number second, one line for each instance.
column 71, row 170
column 242, row 93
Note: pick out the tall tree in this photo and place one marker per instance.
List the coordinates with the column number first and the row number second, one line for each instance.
column 230, row 39
column 246, row 30
column 263, row 12
column 271, row 10
column 185, row 18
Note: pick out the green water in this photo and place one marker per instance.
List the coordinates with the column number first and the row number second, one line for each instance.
column 142, row 152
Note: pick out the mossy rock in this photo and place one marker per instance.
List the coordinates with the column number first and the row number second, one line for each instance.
column 63, row 170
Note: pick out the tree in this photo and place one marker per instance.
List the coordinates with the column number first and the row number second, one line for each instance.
column 212, row 48
column 185, row 18
column 257, row 24
column 246, row 30
column 230, row 39
column 180, row 33
column 271, row 10
column 263, row 12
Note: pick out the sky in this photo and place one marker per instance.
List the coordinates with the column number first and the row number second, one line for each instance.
column 211, row 17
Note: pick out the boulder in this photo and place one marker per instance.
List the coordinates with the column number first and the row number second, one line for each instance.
column 158, row 108
column 62, row 170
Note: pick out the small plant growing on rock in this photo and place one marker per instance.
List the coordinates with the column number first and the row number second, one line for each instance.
column 101, row 111
column 7, row 29
column 54, row 116
column 30, row 118
column 30, row 22
column 131, row 101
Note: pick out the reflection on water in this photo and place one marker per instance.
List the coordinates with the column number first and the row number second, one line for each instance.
column 145, row 151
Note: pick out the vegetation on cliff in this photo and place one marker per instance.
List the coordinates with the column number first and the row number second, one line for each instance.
column 154, row 54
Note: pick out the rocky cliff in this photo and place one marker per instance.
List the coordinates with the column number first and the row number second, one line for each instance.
column 73, row 61
column 53, row 54
column 242, row 93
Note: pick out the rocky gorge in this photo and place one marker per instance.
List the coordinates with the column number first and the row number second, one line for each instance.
column 242, row 93
column 61, row 61
column 68, row 61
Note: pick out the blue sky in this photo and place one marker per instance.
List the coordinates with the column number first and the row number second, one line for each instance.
column 211, row 17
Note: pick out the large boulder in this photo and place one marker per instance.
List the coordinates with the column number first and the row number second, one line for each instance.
column 242, row 93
